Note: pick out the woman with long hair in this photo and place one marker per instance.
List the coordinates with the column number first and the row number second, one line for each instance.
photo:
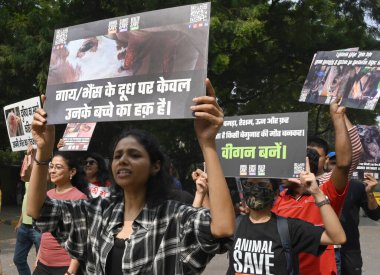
column 137, row 230
column 65, row 173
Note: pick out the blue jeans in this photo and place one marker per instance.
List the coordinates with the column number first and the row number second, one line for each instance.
column 26, row 236
column 338, row 261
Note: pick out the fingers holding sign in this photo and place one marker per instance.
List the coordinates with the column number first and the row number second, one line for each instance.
column 43, row 134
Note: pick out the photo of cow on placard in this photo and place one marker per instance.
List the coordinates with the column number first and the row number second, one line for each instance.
column 14, row 123
column 154, row 50
column 370, row 138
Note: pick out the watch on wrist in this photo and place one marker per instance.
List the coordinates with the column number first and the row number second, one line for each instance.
column 321, row 203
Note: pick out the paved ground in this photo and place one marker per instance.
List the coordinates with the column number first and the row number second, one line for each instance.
column 369, row 230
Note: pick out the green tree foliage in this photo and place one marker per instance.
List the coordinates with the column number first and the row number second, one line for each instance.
column 265, row 47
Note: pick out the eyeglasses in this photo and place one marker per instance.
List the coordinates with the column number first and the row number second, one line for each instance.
column 56, row 166
column 89, row 162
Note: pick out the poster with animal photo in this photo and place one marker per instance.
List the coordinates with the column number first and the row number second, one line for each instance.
column 262, row 146
column 135, row 67
column 370, row 158
column 353, row 76
column 18, row 118
column 77, row 136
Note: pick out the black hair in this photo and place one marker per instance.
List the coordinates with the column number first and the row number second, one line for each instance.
column 275, row 182
column 313, row 156
column 318, row 142
column 102, row 175
column 78, row 179
column 158, row 184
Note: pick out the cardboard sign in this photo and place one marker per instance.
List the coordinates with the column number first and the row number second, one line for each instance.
column 18, row 118
column 353, row 76
column 263, row 146
column 370, row 157
column 134, row 67
column 77, row 136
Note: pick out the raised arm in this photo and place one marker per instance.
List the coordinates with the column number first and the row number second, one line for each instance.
column 44, row 136
column 208, row 120
column 356, row 145
column 374, row 209
column 342, row 148
column 334, row 233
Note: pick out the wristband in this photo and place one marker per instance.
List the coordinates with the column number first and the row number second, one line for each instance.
column 321, row 203
column 69, row 273
column 42, row 162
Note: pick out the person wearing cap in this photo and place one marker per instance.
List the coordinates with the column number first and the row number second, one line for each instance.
column 330, row 162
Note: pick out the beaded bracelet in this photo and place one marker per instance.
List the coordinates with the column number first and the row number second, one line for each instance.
column 42, row 162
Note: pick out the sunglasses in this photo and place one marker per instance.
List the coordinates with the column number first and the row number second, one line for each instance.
column 89, row 162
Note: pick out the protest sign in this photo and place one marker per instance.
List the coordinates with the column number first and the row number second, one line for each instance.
column 353, row 76
column 370, row 157
column 262, row 146
column 77, row 136
column 18, row 118
column 141, row 66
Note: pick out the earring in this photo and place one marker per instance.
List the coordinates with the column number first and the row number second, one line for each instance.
column 71, row 177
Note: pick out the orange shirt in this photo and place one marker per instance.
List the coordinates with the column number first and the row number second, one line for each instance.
column 304, row 208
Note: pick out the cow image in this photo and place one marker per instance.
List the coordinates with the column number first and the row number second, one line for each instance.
column 13, row 122
column 370, row 138
column 140, row 52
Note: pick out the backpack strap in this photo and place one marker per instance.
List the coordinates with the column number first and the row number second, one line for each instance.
column 237, row 224
column 291, row 261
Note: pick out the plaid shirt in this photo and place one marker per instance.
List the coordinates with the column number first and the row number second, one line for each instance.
column 170, row 238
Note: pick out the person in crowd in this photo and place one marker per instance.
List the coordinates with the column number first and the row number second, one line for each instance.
column 173, row 192
column 27, row 234
column 136, row 230
column 96, row 174
column 173, row 174
column 294, row 202
column 319, row 144
column 257, row 246
column 359, row 194
column 65, row 173
column 331, row 162
column 326, row 163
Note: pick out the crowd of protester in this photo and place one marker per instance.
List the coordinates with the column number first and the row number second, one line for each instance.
column 131, row 216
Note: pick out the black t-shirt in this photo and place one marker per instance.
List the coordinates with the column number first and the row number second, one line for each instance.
column 257, row 248
column 356, row 198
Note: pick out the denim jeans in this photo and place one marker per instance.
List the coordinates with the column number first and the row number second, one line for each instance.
column 26, row 236
column 338, row 261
